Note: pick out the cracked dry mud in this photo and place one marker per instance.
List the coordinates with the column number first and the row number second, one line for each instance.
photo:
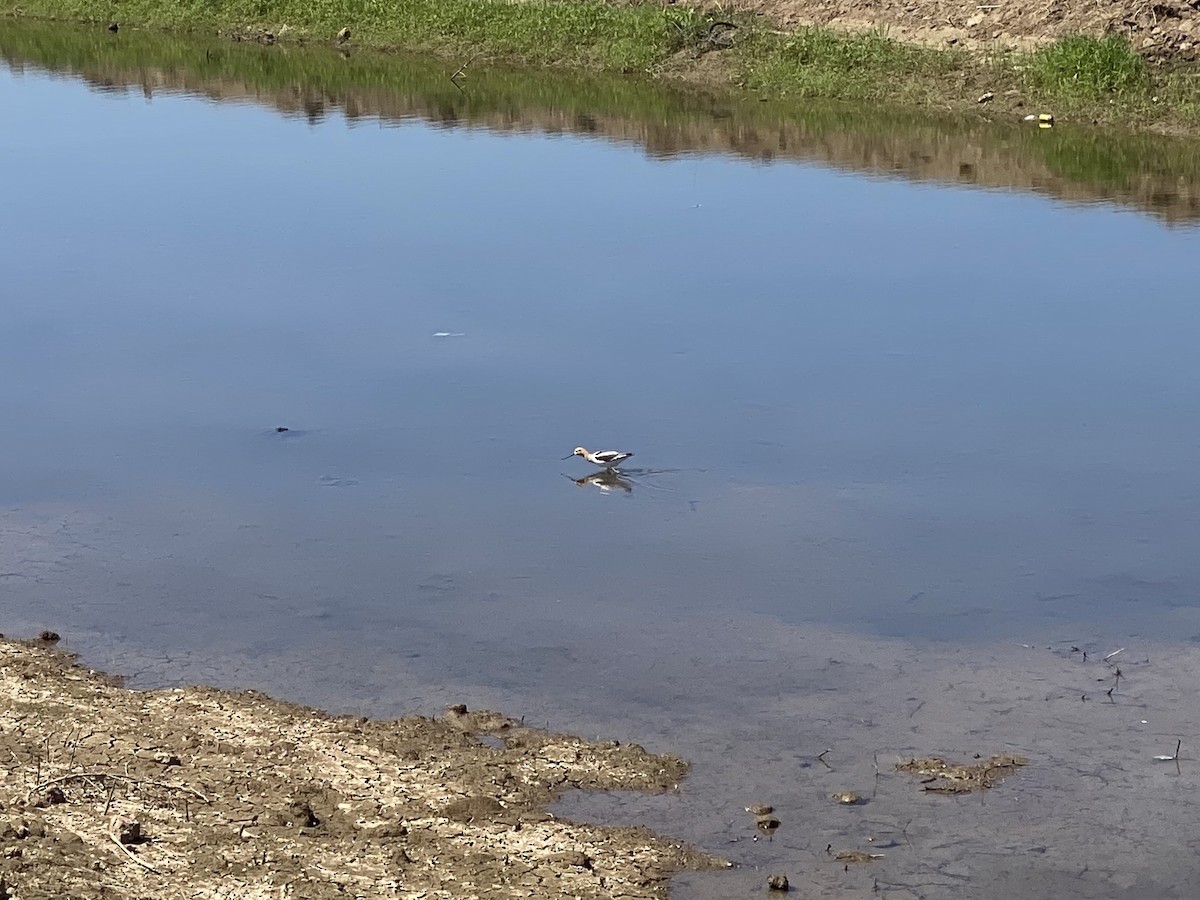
column 234, row 794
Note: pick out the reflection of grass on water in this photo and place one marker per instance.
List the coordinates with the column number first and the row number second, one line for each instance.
column 1090, row 158
column 1147, row 170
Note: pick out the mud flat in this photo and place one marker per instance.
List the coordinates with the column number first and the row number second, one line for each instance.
column 198, row 792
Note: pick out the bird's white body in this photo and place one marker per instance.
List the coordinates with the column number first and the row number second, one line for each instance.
column 606, row 459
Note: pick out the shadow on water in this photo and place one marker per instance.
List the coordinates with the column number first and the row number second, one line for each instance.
column 1154, row 174
column 606, row 482
column 609, row 481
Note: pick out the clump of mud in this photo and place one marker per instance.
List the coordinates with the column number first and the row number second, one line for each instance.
column 197, row 792
column 943, row 777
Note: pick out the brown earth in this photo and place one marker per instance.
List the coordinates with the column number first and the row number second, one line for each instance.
column 1168, row 29
column 109, row 792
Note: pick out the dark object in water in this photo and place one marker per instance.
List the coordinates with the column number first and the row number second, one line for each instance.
column 50, row 637
column 943, row 777
column 766, row 825
column 280, row 429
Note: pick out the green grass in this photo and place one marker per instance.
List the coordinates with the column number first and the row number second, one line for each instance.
column 815, row 62
column 1089, row 68
column 584, row 34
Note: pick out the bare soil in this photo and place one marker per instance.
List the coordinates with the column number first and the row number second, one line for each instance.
column 109, row 792
column 1160, row 30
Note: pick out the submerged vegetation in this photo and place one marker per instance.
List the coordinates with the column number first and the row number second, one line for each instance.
column 1085, row 78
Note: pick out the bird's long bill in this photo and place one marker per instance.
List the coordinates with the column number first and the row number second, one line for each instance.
column 568, row 456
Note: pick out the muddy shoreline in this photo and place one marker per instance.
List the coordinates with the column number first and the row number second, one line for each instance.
column 114, row 792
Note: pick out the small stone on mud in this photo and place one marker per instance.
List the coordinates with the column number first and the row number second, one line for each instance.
column 52, row 796
column 458, row 709
column 760, row 809
column 300, row 813
column 50, row 637
column 985, row 97
column 767, row 825
column 574, row 858
column 778, row 883
column 130, row 833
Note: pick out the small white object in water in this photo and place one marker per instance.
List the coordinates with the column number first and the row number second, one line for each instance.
column 449, row 334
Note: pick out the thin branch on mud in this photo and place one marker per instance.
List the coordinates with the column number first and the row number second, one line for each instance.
column 101, row 775
column 129, row 853
column 1173, row 758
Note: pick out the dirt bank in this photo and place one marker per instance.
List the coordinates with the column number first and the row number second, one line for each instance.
column 1170, row 29
column 197, row 792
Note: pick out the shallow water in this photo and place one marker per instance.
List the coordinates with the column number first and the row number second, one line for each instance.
column 903, row 422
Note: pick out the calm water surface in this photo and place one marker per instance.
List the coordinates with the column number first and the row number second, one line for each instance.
column 885, row 407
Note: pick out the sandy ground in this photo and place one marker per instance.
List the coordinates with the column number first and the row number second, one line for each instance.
column 197, row 792
column 1168, row 30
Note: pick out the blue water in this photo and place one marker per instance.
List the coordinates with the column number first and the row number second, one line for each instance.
column 895, row 409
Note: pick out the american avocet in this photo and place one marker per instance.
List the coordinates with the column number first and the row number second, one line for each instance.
column 606, row 459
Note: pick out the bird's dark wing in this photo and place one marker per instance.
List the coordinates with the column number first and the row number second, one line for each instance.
column 612, row 456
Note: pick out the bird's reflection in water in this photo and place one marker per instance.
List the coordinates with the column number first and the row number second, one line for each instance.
column 606, row 481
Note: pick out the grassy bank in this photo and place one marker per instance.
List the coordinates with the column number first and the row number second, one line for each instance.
column 1080, row 78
